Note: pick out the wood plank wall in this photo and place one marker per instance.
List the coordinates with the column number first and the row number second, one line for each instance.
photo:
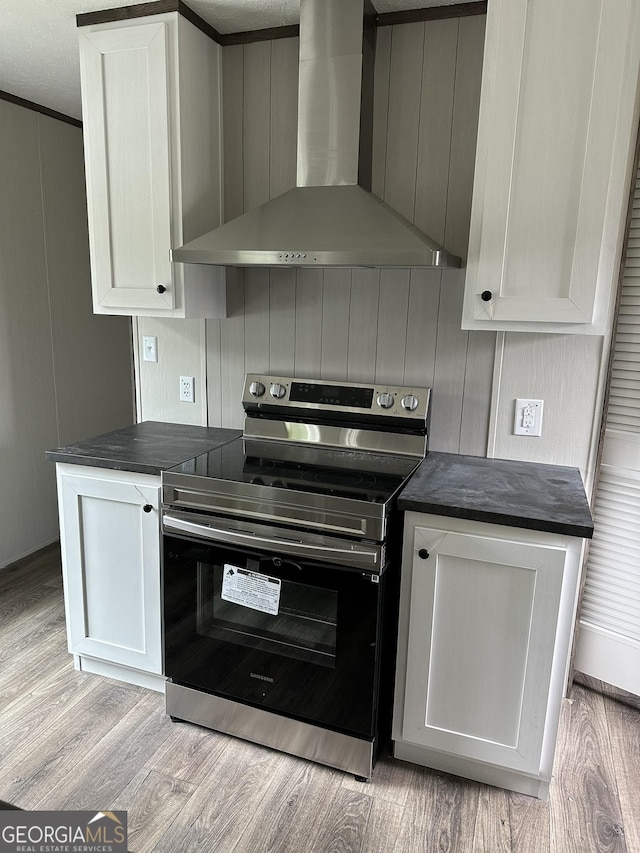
column 65, row 372
column 563, row 370
column 397, row 326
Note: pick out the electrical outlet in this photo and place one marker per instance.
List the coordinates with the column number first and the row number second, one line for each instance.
column 528, row 417
column 149, row 348
column 187, row 393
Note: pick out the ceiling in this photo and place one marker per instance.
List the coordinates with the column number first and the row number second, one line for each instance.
column 38, row 39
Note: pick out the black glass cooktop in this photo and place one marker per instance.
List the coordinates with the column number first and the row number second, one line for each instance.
column 341, row 473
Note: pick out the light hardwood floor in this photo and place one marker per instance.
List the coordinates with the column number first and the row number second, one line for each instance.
column 71, row 740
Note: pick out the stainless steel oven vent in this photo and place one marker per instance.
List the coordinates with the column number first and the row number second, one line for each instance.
column 330, row 218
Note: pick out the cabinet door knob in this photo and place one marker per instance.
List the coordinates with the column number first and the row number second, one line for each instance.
column 486, row 296
column 147, row 507
column 423, row 554
column 161, row 288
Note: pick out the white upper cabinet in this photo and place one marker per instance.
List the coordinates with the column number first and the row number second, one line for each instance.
column 557, row 128
column 151, row 110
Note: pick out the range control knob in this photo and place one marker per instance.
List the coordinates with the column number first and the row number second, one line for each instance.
column 277, row 391
column 409, row 403
column 385, row 400
column 256, row 389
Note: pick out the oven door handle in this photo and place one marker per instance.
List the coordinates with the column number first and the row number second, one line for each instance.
column 368, row 558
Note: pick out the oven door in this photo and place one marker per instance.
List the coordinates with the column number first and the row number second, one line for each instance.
column 285, row 633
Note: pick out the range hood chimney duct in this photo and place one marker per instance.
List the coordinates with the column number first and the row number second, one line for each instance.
column 335, row 94
column 331, row 219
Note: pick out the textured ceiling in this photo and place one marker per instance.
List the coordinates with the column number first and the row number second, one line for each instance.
column 38, row 39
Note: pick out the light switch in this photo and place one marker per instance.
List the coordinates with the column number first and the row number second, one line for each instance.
column 149, row 348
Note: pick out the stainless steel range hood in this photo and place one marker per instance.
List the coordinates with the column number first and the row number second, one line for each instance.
column 330, row 218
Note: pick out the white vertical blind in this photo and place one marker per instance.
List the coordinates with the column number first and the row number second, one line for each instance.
column 624, row 402
column 609, row 640
column 612, row 589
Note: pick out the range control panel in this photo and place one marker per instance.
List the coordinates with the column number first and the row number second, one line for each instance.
column 391, row 400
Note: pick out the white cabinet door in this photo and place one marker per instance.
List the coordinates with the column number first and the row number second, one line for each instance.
column 151, row 102
column 126, row 126
column 556, row 138
column 110, row 536
column 482, row 630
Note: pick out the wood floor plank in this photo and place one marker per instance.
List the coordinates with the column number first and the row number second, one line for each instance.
column 440, row 814
column 19, row 682
column 59, row 748
column 23, row 615
column 623, row 720
column 18, row 610
column 391, row 781
column 46, row 561
column 344, row 827
column 151, row 800
column 415, row 832
column 25, row 657
column 219, row 812
column 295, row 808
column 138, row 734
column 47, row 577
column 49, row 629
column 609, row 690
column 43, row 579
column 456, row 807
column 492, row 830
column 28, row 713
column 585, row 810
column 529, row 820
column 384, row 826
column 189, row 753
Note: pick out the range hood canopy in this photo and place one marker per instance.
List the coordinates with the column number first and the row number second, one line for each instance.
column 329, row 219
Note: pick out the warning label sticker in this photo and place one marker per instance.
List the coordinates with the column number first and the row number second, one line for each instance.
column 250, row 589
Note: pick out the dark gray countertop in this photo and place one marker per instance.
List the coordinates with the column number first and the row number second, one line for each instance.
column 500, row 491
column 145, row 448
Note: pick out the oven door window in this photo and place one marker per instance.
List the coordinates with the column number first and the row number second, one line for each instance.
column 290, row 635
column 254, row 609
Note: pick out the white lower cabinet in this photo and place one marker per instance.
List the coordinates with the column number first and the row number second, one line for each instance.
column 110, row 539
column 486, row 620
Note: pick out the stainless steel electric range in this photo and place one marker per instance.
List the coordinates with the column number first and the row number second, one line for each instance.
column 281, row 562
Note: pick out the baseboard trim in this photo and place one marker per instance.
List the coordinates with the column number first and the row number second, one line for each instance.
column 489, row 774
column 607, row 656
column 121, row 673
column 15, row 562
